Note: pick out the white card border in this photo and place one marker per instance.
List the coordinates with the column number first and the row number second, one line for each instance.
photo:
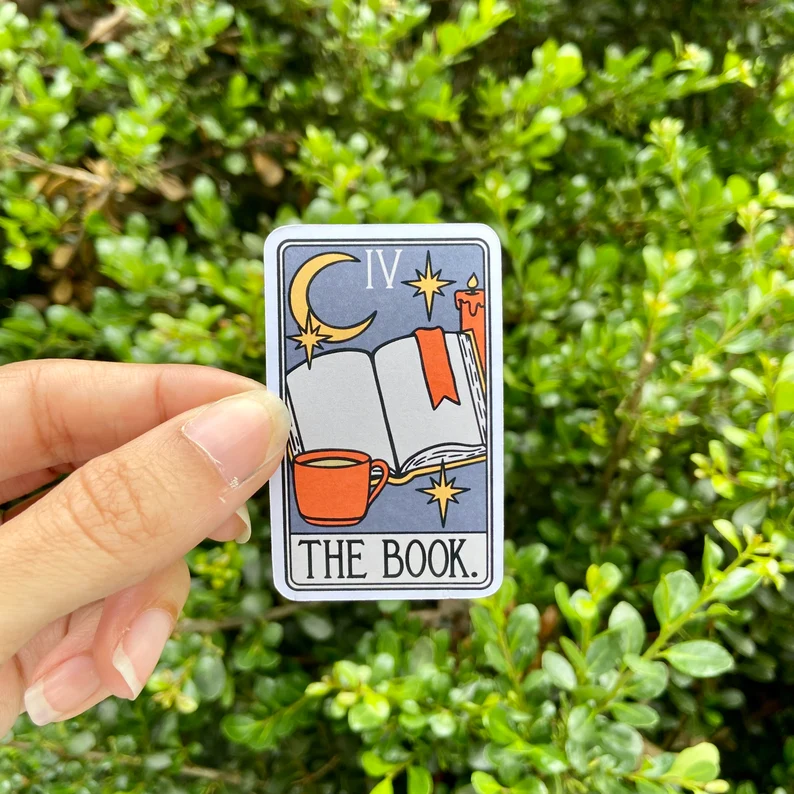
column 391, row 234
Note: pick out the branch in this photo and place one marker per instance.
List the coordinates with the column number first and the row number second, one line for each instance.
column 446, row 610
column 216, row 150
column 208, row 626
column 103, row 27
column 313, row 777
column 187, row 770
column 631, row 403
column 75, row 174
column 668, row 631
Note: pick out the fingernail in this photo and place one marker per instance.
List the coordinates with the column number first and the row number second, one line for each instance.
column 138, row 651
column 240, row 434
column 245, row 535
column 62, row 690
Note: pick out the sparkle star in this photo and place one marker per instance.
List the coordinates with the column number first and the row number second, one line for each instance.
column 443, row 492
column 428, row 284
column 309, row 338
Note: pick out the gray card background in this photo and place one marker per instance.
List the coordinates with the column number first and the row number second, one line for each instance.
column 339, row 296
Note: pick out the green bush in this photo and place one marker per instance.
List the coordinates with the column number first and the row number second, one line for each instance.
column 637, row 162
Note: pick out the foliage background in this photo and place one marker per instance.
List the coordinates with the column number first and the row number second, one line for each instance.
column 636, row 161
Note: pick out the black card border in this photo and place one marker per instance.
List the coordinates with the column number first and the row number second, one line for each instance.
column 287, row 548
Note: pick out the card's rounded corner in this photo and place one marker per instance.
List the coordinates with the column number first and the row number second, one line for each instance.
column 277, row 237
column 284, row 589
column 496, row 582
column 487, row 235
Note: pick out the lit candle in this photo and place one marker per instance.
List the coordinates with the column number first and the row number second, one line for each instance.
column 471, row 304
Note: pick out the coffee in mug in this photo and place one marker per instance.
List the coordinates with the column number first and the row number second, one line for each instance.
column 333, row 486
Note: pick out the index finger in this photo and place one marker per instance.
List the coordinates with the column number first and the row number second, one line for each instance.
column 71, row 411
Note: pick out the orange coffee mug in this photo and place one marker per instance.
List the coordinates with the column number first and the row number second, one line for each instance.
column 332, row 486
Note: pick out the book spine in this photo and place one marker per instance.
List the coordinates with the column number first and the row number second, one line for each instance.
column 295, row 441
column 473, row 376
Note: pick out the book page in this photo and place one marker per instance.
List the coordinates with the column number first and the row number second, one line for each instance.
column 336, row 405
column 415, row 425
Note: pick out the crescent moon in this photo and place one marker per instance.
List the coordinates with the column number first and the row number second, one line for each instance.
column 301, row 306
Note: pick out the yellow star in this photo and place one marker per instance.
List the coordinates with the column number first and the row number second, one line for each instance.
column 428, row 284
column 443, row 492
column 309, row 338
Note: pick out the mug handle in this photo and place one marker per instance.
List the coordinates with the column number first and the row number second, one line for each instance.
column 379, row 464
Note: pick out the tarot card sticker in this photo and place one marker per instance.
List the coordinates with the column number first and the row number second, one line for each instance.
column 385, row 343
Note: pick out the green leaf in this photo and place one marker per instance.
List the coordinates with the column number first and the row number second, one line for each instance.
column 70, row 320
column 347, row 674
column 384, row 787
column 723, row 486
column 483, row 624
column 738, row 188
column 370, row 712
column 546, row 758
column 752, row 513
column 654, row 263
column 622, row 742
column 649, row 787
column 628, row 622
column 675, row 594
column 209, row 675
column 743, row 439
column 603, row 580
column 559, row 670
column 737, row 584
column 84, row 741
column 562, row 596
column 784, row 397
column 699, row 658
column 604, row 652
column 523, row 626
column 712, row 557
column 484, row 783
column 257, row 734
column 585, row 608
column 746, row 342
column 18, row 258
column 317, row 689
column 154, row 762
column 681, row 283
column 204, row 190
column 568, row 64
column 420, row 781
column 529, row 785
column 748, row 379
column 575, row 656
column 658, row 502
column 719, row 455
column 728, row 531
column 498, row 727
column 318, row 627
column 738, row 640
column 443, row 724
column 635, row 714
column 649, row 679
column 496, row 657
column 581, row 725
column 375, row 766
column 700, row 763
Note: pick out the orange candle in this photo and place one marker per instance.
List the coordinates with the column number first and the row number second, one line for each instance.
column 471, row 304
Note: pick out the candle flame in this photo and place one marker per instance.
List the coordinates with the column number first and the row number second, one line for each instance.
column 472, row 282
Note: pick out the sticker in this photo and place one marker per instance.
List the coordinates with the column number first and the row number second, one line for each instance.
column 385, row 343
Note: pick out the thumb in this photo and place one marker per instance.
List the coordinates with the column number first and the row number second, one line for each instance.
column 131, row 512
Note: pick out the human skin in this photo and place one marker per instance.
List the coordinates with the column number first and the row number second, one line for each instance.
column 159, row 458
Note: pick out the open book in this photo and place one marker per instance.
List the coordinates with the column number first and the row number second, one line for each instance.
column 380, row 403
